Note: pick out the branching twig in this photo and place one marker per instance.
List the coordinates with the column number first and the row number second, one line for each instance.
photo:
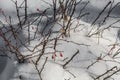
column 43, row 50
column 40, row 71
column 115, row 67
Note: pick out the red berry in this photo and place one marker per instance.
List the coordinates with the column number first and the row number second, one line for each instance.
column 53, row 57
column 61, row 55
column 33, row 28
column 38, row 9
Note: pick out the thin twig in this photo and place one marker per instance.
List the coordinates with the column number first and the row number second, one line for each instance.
column 64, row 66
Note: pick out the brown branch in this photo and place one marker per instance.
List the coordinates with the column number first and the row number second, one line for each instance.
column 71, row 73
column 18, row 15
column 110, row 11
column 71, row 15
column 83, row 8
column 115, row 67
column 43, row 65
column 101, row 13
column 55, row 44
column 42, row 52
column 74, row 42
column 40, row 71
column 92, row 64
column 64, row 66
column 25, row 11
column 54, row 7
column 111, row 74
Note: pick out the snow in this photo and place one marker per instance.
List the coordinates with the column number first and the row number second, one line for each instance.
column 53, row 73
column 95, row 55
column 78, row 74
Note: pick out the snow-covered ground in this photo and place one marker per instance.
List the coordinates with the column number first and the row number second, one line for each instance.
column 96, row 48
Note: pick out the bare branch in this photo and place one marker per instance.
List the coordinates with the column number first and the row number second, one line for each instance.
column 64, row 66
